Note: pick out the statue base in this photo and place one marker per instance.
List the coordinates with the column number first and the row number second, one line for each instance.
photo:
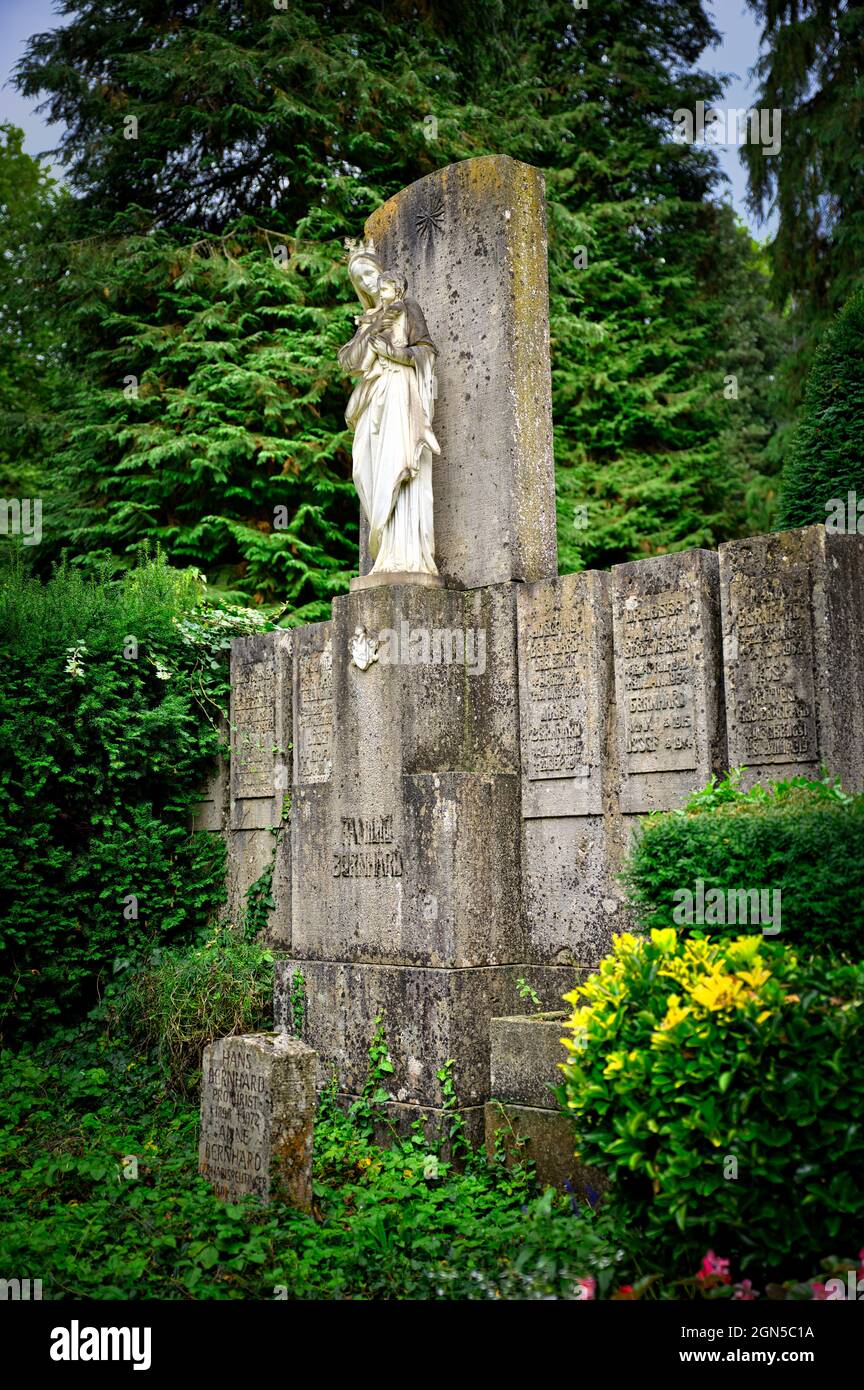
column 376, row 581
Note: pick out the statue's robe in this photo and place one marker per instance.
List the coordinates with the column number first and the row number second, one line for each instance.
column 391, row 411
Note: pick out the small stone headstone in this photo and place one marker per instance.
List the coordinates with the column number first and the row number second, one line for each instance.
column 257, row 1117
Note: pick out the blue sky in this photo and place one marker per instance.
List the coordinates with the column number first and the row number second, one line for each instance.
column 735, row 54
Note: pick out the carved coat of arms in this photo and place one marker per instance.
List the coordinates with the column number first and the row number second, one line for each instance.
column 363, row 648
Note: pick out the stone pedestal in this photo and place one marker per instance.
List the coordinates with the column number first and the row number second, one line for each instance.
column 257, row 1113
column 391, row 577
column 405, row 840
column 405, row 834
column 793, row 650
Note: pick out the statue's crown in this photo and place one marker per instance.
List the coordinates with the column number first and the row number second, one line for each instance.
column 359, row 248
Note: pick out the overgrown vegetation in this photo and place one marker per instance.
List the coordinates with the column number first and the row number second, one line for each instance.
column 810, row 72
column 102, row 1199
column 182, row 999
column 827, row 456
column 399, row 1222
column 110, row 712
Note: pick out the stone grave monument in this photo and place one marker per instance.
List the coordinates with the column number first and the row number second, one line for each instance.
column 467, row 744
column 405, row 828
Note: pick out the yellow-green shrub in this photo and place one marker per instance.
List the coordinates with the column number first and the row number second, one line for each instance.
column 720, row 1084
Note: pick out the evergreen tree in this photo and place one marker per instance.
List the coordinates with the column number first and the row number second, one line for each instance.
column 203, row 137
column 812, row 72
column 28, row 359
column 827, row 461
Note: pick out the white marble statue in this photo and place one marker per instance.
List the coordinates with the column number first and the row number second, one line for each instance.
column 390, row 412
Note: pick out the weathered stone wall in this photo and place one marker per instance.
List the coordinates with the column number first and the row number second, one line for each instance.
column 461, row 809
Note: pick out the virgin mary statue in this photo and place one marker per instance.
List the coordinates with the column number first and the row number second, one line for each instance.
column 390, row 412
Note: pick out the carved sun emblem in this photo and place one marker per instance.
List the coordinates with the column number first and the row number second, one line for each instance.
column 363, row 648
column 431, row 217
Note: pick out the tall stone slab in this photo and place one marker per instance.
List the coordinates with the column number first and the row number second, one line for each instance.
column 258, row 1101
column 405, row 830
column 572, row 840
column 471, row 239
column 668, row 678
column 793, row 649
column 260, row 777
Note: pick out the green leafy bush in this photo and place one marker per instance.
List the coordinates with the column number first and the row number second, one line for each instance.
column 720, row 1085
column 110, row 711
column 805, row 838
column 184, row 998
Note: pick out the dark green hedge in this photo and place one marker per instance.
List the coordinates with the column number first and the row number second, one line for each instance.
column 804, row 838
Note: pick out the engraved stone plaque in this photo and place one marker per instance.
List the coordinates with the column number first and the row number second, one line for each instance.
column 656, row 662
column 668, row 678
column 314, row 705
column 793, row 653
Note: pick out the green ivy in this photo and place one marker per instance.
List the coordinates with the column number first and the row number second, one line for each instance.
column 388, row 1223
column 112, row 704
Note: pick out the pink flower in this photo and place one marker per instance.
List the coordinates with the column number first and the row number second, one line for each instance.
column 819, row 1293
column 744, row 1292
column 714, row 1266
column 587, row 1288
